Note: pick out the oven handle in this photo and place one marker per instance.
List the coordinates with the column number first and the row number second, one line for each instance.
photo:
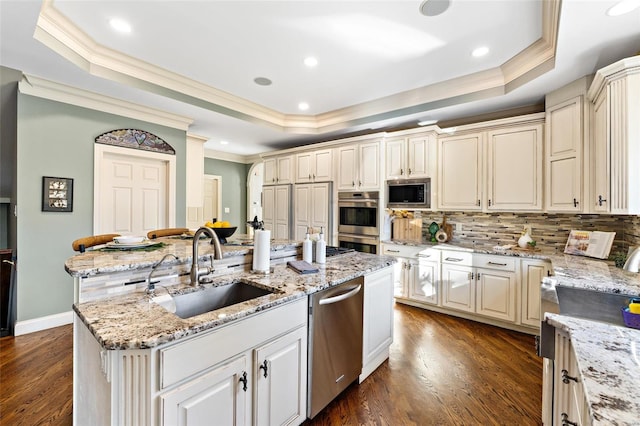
column 335, row 299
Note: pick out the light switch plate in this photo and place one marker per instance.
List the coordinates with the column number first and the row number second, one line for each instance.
column 226, row 209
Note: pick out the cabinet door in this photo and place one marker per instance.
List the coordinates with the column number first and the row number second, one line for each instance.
column 302, row 217
column 460, row 172
column 377, row 332
column 323, row 166
column 423, row 281
column 270, row 171
column 514, row 175
column 564, row 156
column 285, row 169
column 268, row 207
column 496, row 294
column 458, row 287
column 304, row 167
column 601, row 156
column 395, row 159
column 347, row 167
column 218, row 395
column 418, row 157
column 399, row 287
column 281, row 380
column 282, row 224
column 319, row 207
column 369, row 166
column 533, row 271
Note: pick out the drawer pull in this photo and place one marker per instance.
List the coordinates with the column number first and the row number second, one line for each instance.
column 244, row 380
column 566, row 421
column 424, row 255
column 566, row 377
column 264, row 367
column 393, row 251
column 454, row 259
column 496, row 263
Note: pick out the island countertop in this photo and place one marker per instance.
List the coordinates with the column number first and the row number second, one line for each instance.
column 608, row 358
column 133, row 321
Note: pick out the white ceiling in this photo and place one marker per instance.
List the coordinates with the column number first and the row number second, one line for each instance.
column 382, row 64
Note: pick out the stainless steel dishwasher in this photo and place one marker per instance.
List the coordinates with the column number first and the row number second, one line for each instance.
column 335, row 342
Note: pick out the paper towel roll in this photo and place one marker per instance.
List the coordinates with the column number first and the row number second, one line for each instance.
column 261, row 250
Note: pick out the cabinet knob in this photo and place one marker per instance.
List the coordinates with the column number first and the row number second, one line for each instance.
column 566, row 377
column 575, row 203
column 243, row 380
column 409, row 170
column 478, row 203
column 353, row 183
column 601, row 200
column 264, row 367
column 309, row 176
column 489, row 203
column 359, row 183
column 314, row 176
column 401, row 172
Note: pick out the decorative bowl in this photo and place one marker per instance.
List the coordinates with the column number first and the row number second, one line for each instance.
column 224, row 233
column 128, row 239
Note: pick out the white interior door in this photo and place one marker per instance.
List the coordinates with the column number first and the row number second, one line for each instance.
column 212, row 197
column 133, row 194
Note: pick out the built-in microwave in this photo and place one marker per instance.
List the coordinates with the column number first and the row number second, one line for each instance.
column 409, row 193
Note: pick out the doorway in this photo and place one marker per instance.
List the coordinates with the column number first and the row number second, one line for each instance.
column 212, row 197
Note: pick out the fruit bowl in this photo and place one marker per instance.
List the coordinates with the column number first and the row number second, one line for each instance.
column 224, row 233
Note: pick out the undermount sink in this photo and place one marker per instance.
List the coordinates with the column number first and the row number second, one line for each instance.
column 198, row 302
column 591, row 304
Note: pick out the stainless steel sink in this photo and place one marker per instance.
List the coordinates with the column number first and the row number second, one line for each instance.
column 198, row 302
column 591, row 304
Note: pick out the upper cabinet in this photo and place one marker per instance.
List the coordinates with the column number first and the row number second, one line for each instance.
column 359, row 166
column 278, row 170
column 314, row 166
column 410, row 156
column 616, row 137
column 497, row 167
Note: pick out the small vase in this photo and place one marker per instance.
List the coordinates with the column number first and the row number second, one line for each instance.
column 524, row 240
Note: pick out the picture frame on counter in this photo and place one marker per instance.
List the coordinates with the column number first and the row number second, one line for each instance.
column 57, row 194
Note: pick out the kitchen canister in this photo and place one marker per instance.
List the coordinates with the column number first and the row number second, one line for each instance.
column 261, row 250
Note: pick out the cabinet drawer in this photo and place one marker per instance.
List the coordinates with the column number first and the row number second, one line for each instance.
column 502, row 263
column 199, row 353
column 401, row 250
column 457, row 257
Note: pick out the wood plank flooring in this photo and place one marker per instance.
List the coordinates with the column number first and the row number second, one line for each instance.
column 442, row 371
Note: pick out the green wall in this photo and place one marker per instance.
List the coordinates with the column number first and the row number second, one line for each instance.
column 56, row 139
column 234, row 189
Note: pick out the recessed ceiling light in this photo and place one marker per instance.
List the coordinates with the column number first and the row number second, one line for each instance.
column 625, row 6
column 120, row 25
column 303, row 106
column 310, row 62
column 427, row 122
column 480, row 51
column 434, row 7
column 262, row 81
column 224, row 142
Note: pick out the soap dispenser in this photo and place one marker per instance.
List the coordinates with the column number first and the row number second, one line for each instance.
column 321, row 248
column 307, row 248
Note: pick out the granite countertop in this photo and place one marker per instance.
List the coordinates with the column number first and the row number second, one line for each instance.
column 609, row 362
column 134, row 322
column 568, row 270
column 96, row 262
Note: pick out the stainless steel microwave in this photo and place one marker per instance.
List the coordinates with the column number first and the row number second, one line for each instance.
column 409, row 194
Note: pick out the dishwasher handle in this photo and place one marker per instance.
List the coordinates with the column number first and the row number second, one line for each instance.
column 343, row 296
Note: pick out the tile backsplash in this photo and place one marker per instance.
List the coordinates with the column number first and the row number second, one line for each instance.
column 550, row 231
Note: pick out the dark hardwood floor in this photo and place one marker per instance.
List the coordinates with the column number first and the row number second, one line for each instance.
column 442, row 371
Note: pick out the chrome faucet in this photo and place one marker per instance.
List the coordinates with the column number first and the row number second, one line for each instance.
column 217, row 253
column 633, row 261
column 150, row 285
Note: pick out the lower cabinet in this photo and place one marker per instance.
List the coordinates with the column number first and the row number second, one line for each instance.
column 568, row 399
column 416, row 273
column 532, row 273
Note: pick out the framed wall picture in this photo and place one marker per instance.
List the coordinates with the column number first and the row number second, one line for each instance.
column 57, row 194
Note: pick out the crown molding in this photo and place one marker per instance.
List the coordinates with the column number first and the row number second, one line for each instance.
column 60, row 34
column 191, row 137
column 622, row 68
column 227, row 156
column 39, row 87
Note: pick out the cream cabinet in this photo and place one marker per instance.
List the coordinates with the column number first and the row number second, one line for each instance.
column 276, row 210
column 563, row 159
column 377, row 332
column 410, row 156
column 278, row 170
column 359, row 166
column 481, row 284
column 514, row 168
column 314, row 166
column 616, row 137
column 460, row 172
column 312, row 207
column 416, row 274
column 532, row 273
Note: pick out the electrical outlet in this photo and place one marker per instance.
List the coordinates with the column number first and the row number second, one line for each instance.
column 458, row 227
column 226, row 209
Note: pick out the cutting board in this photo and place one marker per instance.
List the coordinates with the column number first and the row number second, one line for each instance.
column 407, row 229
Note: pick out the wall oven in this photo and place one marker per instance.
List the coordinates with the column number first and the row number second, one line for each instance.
column 358, row 220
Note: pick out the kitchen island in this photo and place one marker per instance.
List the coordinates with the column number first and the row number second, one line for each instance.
column 136, row 362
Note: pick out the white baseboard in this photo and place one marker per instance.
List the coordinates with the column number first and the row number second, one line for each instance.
column 43, row 323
